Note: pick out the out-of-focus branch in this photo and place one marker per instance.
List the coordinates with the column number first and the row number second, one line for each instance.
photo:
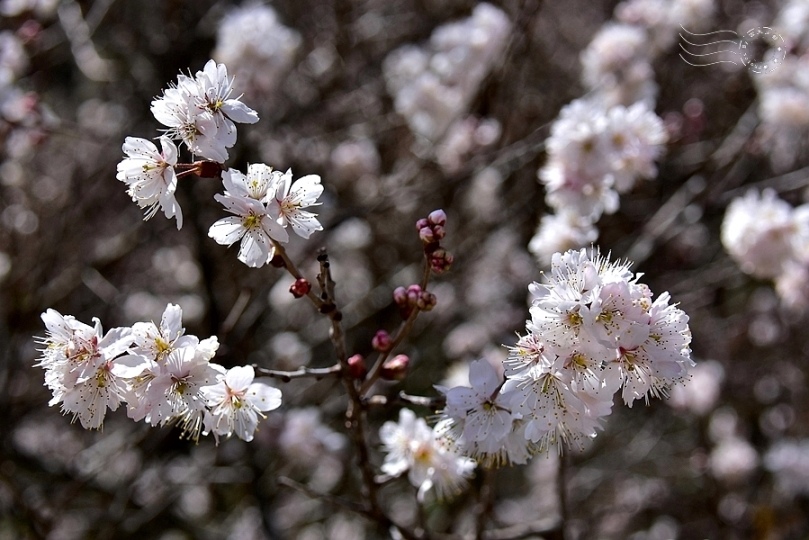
column 351, row 507
column 433, row 403
column 81, row 45
column 300, row 373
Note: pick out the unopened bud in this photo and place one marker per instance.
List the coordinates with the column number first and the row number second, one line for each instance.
column 300, row 288
column 441, row 261
column 208, row 169
column 356, row 367
column 438, row 232
column 429, row 300
column 278, row 261
column 422, row 224
column 426, row 235
column 437, row 217
column 381, row 341
column 395, row 369
column 400, row 296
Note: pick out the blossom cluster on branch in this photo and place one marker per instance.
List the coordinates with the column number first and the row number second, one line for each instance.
column 594, row 330
column 163, row 375
column 200, row 112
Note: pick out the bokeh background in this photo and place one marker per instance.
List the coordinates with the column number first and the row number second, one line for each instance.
column 727, row 458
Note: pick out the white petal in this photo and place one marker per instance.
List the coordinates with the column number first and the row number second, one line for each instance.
column 227, row 230
column 169, row 150
column 239, row 112
column 264, row 396
column 135, row 146
column 255, row 249
column 240, row 377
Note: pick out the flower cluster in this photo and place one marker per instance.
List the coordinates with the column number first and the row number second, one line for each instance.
column 594, row 330
column 594, row 154
column 265, row 202
column 769, row 239
column 600, row 145
column 414, row 448
column 197, row 111
column 200, row 112
column 433, row 85
column 162, row 375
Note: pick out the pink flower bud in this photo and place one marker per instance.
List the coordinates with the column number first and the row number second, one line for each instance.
column 422, row 224
column 440, row 261
column 395, row 369
column 426, row 235
column 437, row 217
column 429, row 300
column 400, row 296
column 356, row 367
column 300, row 288
column 381, row 341
column 438, row 232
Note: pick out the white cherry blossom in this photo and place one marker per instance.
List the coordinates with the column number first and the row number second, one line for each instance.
column 290, row 198
column 236, row 402
column 150, row 175
column 253, row 224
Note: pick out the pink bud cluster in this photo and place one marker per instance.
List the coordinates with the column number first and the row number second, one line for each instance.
column 411, row 298
column 431, row 232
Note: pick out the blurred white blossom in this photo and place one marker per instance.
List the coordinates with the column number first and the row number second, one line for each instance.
column 257, row 48
column 433, row 85
column 412, row 447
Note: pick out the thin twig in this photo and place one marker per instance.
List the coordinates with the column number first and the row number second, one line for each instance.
column 434, row 403
column 300, row 373
column 398, row 337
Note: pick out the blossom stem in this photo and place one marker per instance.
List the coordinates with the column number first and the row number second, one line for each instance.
column 294, row 272
column 401, row 334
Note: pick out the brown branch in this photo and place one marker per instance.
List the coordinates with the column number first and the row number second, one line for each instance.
column 294, row 272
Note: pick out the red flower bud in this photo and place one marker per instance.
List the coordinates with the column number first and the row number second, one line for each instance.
column 300, row 288
column 208, row 169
